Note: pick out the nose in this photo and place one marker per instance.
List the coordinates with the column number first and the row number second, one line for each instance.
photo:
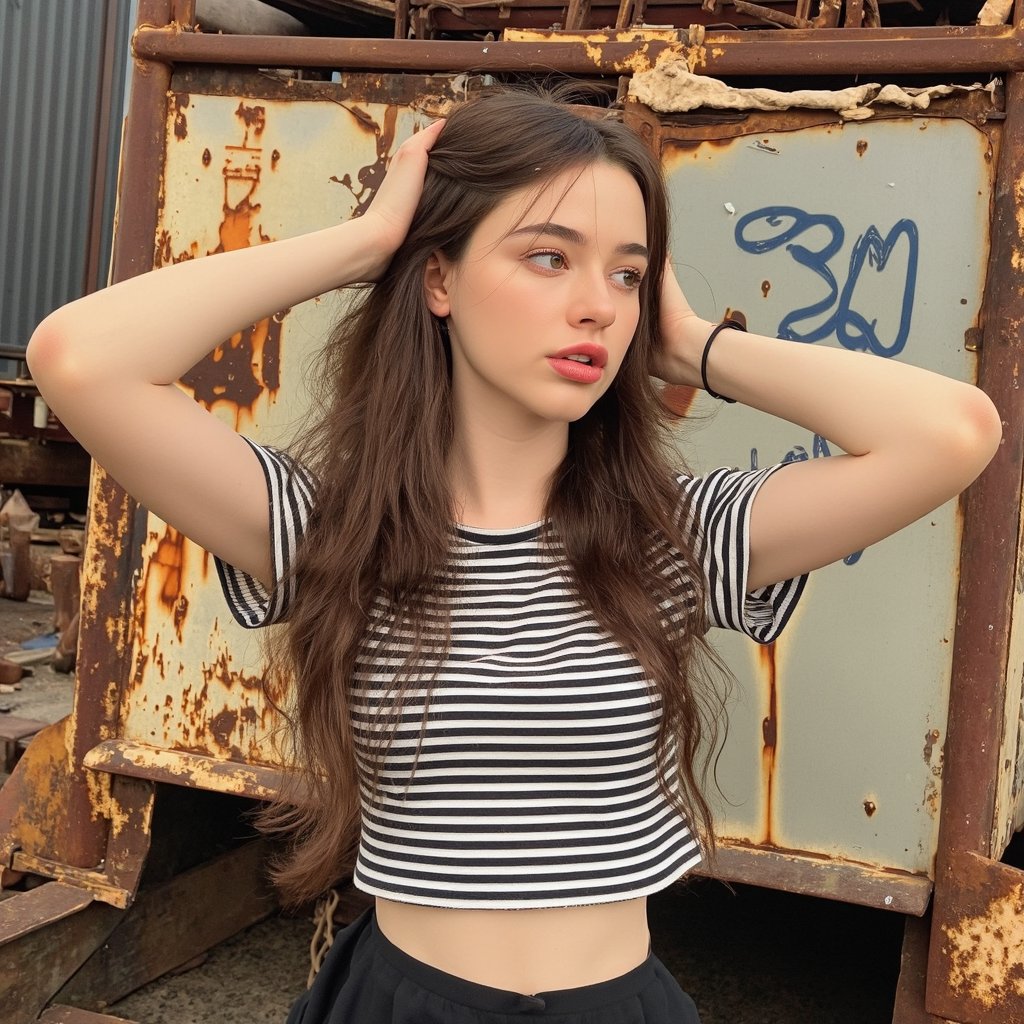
column 592, row 303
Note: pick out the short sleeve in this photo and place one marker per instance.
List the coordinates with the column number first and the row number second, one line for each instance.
column 290, row 487
column 718, row 520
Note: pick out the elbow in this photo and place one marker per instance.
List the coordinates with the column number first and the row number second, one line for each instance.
column 977, row 433
column 52, row 361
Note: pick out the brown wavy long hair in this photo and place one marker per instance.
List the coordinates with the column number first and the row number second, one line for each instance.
column 379, row 541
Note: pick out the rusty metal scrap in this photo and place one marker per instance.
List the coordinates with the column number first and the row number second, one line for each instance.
column 976, row 968
column 949, row 50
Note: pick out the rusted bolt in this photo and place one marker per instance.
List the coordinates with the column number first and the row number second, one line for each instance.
column 869, row 807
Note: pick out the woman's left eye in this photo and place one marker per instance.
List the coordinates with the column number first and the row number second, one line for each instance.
column 628, row 277
column 548, row 260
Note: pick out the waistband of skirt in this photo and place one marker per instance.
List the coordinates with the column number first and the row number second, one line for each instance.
column 497, row 1000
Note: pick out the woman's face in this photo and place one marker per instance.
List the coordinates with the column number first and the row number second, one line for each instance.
column 544, row 302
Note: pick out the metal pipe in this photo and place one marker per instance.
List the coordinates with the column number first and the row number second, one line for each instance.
column 949, row 50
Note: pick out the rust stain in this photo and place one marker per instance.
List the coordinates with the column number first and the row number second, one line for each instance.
column 168, row 562
column 207, row 157
column 862, row 147
column 931, row 737
column 677, row 398
column 34, row 800
column 274, row 158
column 870, row 807
column 254, row 119
column 241, row 369
column 222, row 725
column 769, row 734
column 182, row 101
column 985, row 952
column 766, row 287
column 370, row 176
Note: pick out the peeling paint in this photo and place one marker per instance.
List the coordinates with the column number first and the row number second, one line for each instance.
column 678, row 398
column 770, row 736
column 182, row 102
column 987, row 952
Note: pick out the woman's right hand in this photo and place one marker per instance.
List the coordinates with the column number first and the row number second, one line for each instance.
column 398, row 195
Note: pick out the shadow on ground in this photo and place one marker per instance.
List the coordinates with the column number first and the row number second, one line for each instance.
column 749, row 957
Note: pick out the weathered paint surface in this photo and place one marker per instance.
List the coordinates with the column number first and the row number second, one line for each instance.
column 1010, row 791
column 238, row 173
column 976, row 967
column 241, row 172
column 835, row 743
column 987, row 951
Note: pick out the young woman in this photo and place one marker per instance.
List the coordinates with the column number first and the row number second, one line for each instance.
column 496, row 585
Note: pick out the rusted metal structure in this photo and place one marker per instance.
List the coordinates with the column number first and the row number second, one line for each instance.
column 221, row 153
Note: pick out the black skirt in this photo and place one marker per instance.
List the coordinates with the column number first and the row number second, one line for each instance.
column 365, row 979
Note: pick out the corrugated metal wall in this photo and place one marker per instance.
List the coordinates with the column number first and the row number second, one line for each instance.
column 62, row 73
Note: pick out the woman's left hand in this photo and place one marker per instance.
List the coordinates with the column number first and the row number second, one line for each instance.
column 682, row 333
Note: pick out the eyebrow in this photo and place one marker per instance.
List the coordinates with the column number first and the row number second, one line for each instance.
column 577, row 238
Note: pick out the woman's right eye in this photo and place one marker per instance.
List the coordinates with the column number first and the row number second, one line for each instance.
column 548, row 260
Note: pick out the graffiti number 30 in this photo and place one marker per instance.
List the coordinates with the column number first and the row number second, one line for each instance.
column 854, row 330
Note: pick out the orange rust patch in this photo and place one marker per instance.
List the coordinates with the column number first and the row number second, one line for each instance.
column 245, row 366
column 182, row 101
column 987, row 952
column 678, row 398
column 769, row 734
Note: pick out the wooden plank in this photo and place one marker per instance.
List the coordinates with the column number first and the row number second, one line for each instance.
column 172, row 923
column 14, row 728
column 34, row 966
column 24, row 912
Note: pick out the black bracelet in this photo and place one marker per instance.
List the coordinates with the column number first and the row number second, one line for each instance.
column 735, row 325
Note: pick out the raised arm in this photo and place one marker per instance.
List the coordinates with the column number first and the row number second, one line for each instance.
column 107, row 363
column 914, row 438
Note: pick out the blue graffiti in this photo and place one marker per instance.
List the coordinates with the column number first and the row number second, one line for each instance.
column 853, row 329
column 798, row 453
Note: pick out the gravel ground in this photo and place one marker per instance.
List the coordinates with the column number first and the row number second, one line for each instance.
column 753, row 957
column 45, row 695
column 749, row 957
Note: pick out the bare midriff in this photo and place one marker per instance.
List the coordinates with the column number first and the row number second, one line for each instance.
column 525, row 951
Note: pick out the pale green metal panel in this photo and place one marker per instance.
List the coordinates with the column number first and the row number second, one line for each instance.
column 862, row 674
column 238, row 173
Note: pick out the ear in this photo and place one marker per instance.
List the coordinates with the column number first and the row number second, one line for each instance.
column 436, row 276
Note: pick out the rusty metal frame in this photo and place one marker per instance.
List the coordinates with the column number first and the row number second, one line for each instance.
column 981, row 651
column 100, row 838
column 949, row 50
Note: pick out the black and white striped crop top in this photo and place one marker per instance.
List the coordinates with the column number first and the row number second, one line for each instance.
column 535, row 786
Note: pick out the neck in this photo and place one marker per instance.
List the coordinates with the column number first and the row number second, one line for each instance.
column 500, row 472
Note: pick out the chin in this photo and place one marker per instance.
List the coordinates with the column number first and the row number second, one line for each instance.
column 568, row 412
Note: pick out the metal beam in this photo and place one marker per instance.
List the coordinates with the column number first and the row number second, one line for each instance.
column 950, row 50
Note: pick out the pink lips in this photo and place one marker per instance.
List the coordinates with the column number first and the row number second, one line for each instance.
column 582, row 373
